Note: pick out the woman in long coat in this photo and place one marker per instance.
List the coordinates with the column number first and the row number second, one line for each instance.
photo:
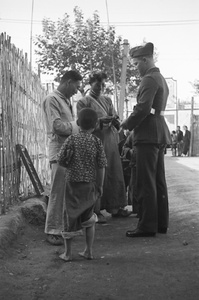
column 114, row 195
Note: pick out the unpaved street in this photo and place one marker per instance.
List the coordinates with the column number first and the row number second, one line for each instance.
column 161, row 268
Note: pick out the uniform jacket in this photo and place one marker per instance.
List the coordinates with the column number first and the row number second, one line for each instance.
column 152, row 93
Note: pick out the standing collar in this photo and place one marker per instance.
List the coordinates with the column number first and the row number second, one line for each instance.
column 153, row 69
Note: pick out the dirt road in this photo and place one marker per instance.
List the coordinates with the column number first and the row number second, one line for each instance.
column 161, row 268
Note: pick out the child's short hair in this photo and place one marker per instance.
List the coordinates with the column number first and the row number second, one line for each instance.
column 87, row 118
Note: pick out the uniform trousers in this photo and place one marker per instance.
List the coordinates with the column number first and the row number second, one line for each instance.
column 152, row 195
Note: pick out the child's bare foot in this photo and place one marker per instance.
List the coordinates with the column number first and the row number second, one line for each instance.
column 65, row 257
column 86, row 255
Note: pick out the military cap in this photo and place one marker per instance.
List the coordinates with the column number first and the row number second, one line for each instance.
column 145, row 50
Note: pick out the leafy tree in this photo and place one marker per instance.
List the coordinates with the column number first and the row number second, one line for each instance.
column 83, row 45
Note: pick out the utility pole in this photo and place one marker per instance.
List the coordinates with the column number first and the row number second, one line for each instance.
column 177, row 103
column 192, row 127
column 113, row 65
column 123, row 79
column 31, row 25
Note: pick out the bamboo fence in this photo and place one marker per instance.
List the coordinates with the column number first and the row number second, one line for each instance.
column 21, row 122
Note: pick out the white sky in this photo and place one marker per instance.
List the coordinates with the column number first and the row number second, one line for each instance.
column 176, row 43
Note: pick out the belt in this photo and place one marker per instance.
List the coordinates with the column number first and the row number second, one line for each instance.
column 157, row 112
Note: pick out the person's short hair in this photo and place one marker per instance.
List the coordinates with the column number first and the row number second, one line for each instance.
column 87, row 118
column 72, row 75
column 97, row 77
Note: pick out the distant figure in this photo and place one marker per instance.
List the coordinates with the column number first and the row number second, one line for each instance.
column 84, row 158
column 179, row 134
column 173, row 142
column 186, row 141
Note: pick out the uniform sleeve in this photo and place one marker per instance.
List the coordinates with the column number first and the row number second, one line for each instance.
column 145, row 97
column 128, row 143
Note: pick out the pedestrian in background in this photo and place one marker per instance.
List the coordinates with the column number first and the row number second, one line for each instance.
column 173, row 142
column 60, row 124
column 84, row 158
column 179, row 134
column 186, row 141
column 151, row 135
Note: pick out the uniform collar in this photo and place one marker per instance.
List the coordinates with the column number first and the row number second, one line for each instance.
column 151, row 70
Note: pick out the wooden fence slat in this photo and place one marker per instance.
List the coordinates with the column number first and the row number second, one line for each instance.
column 21, row 122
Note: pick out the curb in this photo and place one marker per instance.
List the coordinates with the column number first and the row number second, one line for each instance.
column 32, row 211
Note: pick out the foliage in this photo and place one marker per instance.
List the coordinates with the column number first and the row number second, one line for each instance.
column 84, row 45
column 196, row 86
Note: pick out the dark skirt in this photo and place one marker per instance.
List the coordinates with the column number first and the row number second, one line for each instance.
column 80, row 199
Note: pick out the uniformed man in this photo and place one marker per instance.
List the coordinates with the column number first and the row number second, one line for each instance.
column 151, row 135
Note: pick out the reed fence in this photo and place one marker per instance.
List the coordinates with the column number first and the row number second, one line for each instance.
column 21, row 122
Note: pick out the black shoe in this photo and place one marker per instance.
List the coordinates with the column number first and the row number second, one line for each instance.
column 162, row 230
column 139, row 233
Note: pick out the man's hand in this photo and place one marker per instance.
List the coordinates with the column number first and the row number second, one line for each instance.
column 106, row 120
column 123, row 125
column 116, row 123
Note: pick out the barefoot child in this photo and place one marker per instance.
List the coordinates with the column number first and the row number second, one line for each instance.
column 84, row 158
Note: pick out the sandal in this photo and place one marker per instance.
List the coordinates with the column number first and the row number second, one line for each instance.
column 55, row 239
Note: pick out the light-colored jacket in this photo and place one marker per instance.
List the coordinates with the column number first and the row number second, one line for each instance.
column 59, row 121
